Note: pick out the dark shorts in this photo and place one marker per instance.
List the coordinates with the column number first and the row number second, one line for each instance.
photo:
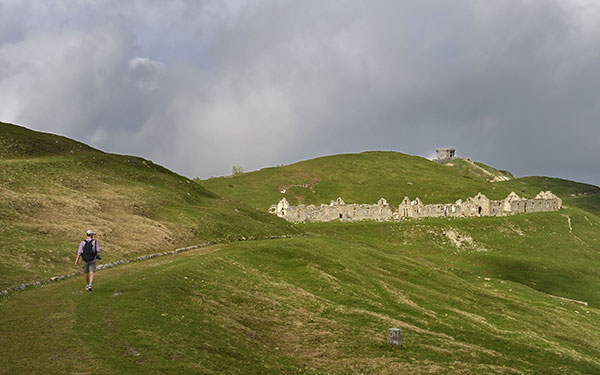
column 88, row 266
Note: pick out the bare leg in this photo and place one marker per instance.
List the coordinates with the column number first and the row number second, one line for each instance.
column 87, row 278
column 91, row 277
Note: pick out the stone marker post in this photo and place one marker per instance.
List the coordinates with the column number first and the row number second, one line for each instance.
column 395, row 336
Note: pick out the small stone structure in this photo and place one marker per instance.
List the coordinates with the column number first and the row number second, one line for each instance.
column 446, row 153
column 395, row 336
column 478, row 205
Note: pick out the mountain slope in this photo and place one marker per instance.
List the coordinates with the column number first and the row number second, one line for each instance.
column 368, row 176
column 491, row 295
column 19, row 142
column 478, row 169
column 50, row 196
column 322, row 304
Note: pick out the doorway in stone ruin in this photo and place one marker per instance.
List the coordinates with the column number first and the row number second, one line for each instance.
column 479, row 210
column 340, row 216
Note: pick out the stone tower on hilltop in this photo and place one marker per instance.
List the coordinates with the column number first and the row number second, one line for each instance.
column 446, row 153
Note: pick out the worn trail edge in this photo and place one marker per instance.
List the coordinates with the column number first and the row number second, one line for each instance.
column 137, row 259
column 571, row 228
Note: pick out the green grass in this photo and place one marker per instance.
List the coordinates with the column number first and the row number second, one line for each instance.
column 48, row 201
column 368, row 176
column 588, row 203
column 323, row 304
column 470, row 169
column 19, row 142
column 471, row 295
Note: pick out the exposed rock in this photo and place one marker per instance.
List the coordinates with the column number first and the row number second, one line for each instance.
column 395, row 336
column 458, row 239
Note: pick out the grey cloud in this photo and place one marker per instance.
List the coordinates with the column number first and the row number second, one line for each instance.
column 201, row 86
column 146, row 72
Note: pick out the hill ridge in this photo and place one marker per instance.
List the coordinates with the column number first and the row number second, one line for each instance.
column 471, row 296
column 49, row 197
column 368, row 176
column 20, row 142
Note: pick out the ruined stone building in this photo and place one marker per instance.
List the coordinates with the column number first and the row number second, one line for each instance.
column 334, row 210
column 478, row 205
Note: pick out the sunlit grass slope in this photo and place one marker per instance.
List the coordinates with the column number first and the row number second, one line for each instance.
column 52, row 189
column 471, row 296
column 476, row 169
column 589, row 203
column 510, row 295
column 368, row 176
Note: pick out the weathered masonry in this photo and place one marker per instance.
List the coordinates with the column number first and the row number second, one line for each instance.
column 446, row 153
column 478, row 205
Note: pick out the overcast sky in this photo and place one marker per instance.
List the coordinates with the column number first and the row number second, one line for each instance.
column 200, row 86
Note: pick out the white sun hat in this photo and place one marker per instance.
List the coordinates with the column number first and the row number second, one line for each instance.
column 90, row 232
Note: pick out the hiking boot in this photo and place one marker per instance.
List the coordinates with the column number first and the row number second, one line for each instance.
column 88, row 288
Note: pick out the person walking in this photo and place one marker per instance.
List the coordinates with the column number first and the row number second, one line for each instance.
column 88, row 252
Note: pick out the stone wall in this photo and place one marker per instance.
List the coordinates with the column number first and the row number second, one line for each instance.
column 478, row 205
column 335, row 210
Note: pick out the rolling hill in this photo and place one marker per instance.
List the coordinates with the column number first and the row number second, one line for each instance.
column 492, row 295
column 368, row 176
column 470, row 297
column 52, row 189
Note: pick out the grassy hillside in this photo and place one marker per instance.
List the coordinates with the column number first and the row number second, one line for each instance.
column 368, row 176
column 589, row 203
column 492, row 295
column 19, row 142
column 471, row 296
column 50, row 196
column 478, row 169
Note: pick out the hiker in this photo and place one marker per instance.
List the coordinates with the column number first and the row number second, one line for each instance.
column 88, row 251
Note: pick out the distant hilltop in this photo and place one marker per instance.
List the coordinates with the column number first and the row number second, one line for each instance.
column 476, row 206
column 447, row 156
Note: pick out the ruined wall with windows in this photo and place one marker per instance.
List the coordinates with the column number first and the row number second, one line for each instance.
column 334, row 210
column 478, row 205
